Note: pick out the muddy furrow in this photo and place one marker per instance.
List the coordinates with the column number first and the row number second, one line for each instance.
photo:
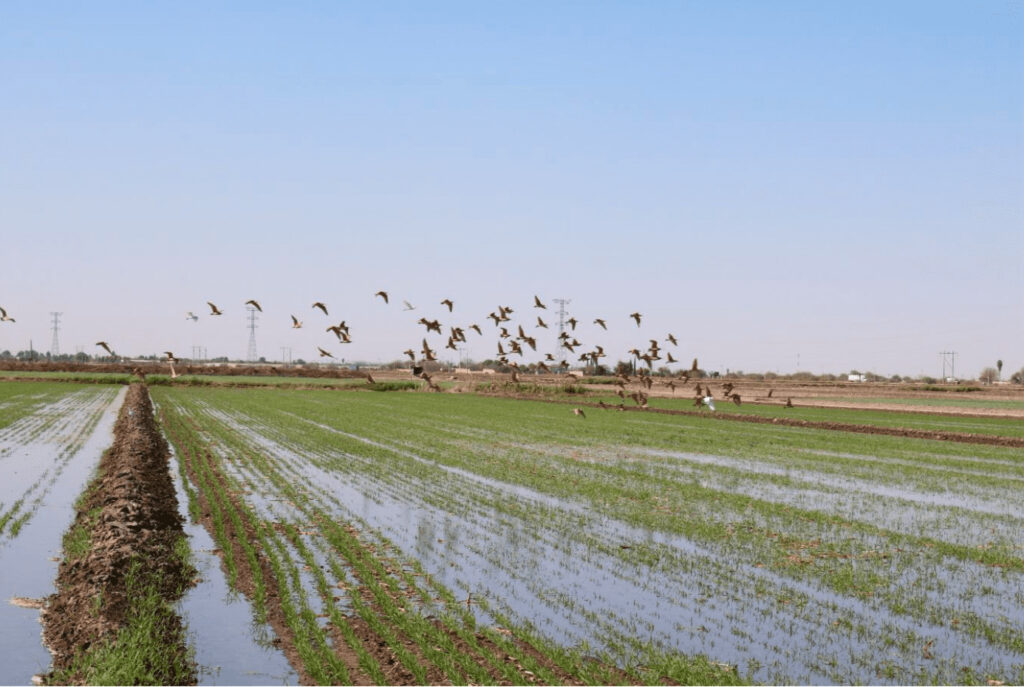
column 128, row 525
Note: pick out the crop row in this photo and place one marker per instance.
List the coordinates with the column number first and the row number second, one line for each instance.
column 631, row 503
column 42, row 426
column 322, row 568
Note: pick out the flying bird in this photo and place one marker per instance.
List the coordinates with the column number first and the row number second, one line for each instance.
column 636, row 316
column 408, row 305
column 295, row 323
column 170, row 357
column 672, row 340
column 4, row 317
column 254, row 304
column 320, row 305
column 670, row 359
column 476, row 328
column 448, row 302
column 323, row 353
column 578, row 412
column 601, row 322
column 382, row 294
column 369, row 379
column 573, row 322
column 540, row 323
column 538, row 304
column 191, row 316
column 214, row 310
column 105, row 346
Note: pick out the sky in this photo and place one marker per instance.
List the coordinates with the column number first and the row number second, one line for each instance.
column 784, row 186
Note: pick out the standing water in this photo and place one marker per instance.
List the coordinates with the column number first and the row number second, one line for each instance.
column 29, row 560
column 231, row 647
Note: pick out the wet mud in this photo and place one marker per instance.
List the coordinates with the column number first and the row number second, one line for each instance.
column 130, row 513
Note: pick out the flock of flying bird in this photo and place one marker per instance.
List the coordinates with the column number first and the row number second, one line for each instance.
column 511, row 341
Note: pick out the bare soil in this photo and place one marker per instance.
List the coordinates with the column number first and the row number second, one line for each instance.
column 131, row 513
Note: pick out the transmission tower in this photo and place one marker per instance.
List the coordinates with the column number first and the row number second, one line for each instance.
column 55, row 344
column 562, row 302
column 252, row 333
column 951, row 356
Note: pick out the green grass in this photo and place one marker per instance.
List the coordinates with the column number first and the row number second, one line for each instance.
column 771, row 497
column 340, row 553
column 604, row 465
column 1010, row 427
column 79, row 377
column 149, row 650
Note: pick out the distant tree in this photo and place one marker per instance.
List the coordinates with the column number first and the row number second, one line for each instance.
column 988, row 375
column 623, row 368
column 601, row 370
column 999, row 366
column 1018, row 376
column 895, row 378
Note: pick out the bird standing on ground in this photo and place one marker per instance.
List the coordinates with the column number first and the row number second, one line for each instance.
column 214, row 310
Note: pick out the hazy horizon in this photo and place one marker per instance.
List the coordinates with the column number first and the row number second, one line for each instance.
column 784, row 187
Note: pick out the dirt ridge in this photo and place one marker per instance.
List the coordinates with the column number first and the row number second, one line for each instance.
column 130, row 512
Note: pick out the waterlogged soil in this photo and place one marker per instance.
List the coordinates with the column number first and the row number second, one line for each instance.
column 29, row 560
column 131, row 513
column 487, row 654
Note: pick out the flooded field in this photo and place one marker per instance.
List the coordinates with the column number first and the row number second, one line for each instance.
column 626, row 540
column 51, row 438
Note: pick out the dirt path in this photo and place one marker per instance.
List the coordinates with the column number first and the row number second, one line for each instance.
column 129, row 518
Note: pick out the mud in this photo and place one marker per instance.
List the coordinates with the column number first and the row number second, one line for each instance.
column 130, row 511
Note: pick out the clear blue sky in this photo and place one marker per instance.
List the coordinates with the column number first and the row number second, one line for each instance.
column 838, row 181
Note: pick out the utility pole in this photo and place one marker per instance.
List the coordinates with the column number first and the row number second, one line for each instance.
column 286, row 354
column 55, row 344
column 252, row 333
